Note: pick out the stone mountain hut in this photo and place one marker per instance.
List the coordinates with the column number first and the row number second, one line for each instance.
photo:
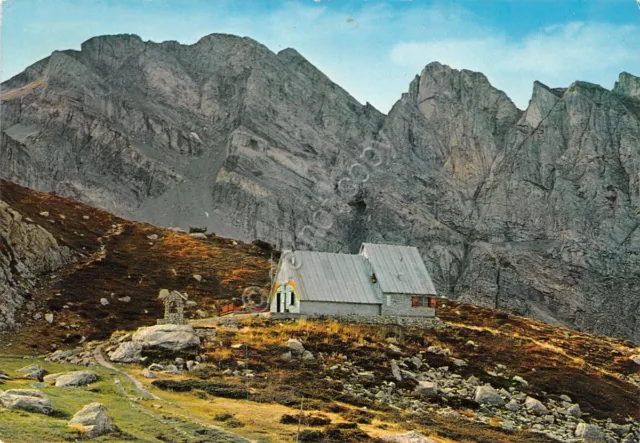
column 380, row 280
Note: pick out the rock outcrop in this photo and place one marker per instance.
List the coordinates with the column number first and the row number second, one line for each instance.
column 27, row 252
column 166, row 340
column 94, row 420
column 30, row 400
column 532, row 211
column 75, row 379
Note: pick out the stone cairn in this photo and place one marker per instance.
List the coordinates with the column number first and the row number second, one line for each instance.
column 173, row 308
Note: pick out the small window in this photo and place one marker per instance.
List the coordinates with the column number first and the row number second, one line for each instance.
column 420, row 301
column 373, row 278
column 293, row 299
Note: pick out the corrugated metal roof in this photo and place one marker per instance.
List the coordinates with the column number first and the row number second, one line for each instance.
column 399, row 269
column 322, row 276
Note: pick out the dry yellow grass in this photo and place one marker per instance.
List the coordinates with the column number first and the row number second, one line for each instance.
column 15, row 93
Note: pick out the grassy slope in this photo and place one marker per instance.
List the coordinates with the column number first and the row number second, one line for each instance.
column 134, row 266
column 594, row 371
column 27, row 427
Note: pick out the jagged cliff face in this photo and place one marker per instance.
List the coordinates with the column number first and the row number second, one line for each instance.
column 546, row 200
column 534, row 211
column 27, row 253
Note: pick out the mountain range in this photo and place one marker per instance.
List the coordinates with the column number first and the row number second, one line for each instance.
column 533, row 211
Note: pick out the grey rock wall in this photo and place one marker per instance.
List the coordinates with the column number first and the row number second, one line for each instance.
column 27, row 252
column 533, row 211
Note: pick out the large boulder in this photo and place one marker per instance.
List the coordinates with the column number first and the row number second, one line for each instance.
column 94, row 420
column 127, row 352
column 166, row 339
column 52, row 377
column 487, row 395
column 30, row 400
column 590, row 433
column 76, row 378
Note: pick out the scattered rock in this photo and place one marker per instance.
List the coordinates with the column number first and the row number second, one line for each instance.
column 171, row 369
column 44, row 213
column 395, row 370
column 621, row 430
column 48, row 317
column 286, row 356
column 76, row 378
column 30, row 400
column 198, row 235
column 536, row 406
column 508, row 425
column 520, row 380
column 410, row 437
column 125, row 299
column 307, row 356
column 34, row 372
column 486, row 395
column 152, row 237
column 148, row 374
column 104, row 301
column 427, row 389
column 295, row 345
column 438, row 350
column 512, row 406
column 590, row 433
column 94, row 420
column 127, row 352
column 198, row 277
column 574, row 411
column 459, row 362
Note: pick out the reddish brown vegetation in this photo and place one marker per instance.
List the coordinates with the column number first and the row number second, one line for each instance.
column 134, row 266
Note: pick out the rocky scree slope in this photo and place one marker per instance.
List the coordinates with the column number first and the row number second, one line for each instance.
column 533, row 211
column 477, row 375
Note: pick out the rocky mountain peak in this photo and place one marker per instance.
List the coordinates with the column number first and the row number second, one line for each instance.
column 628, row 85
column 447, row 87
column 532, row 211
column 543, row 100
column 110, row 51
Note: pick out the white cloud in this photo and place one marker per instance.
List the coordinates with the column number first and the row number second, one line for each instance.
column 556, row 55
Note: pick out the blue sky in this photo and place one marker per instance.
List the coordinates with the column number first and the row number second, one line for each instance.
column 371, row 48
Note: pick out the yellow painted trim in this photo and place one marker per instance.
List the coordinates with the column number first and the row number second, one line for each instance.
column 277, row 286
